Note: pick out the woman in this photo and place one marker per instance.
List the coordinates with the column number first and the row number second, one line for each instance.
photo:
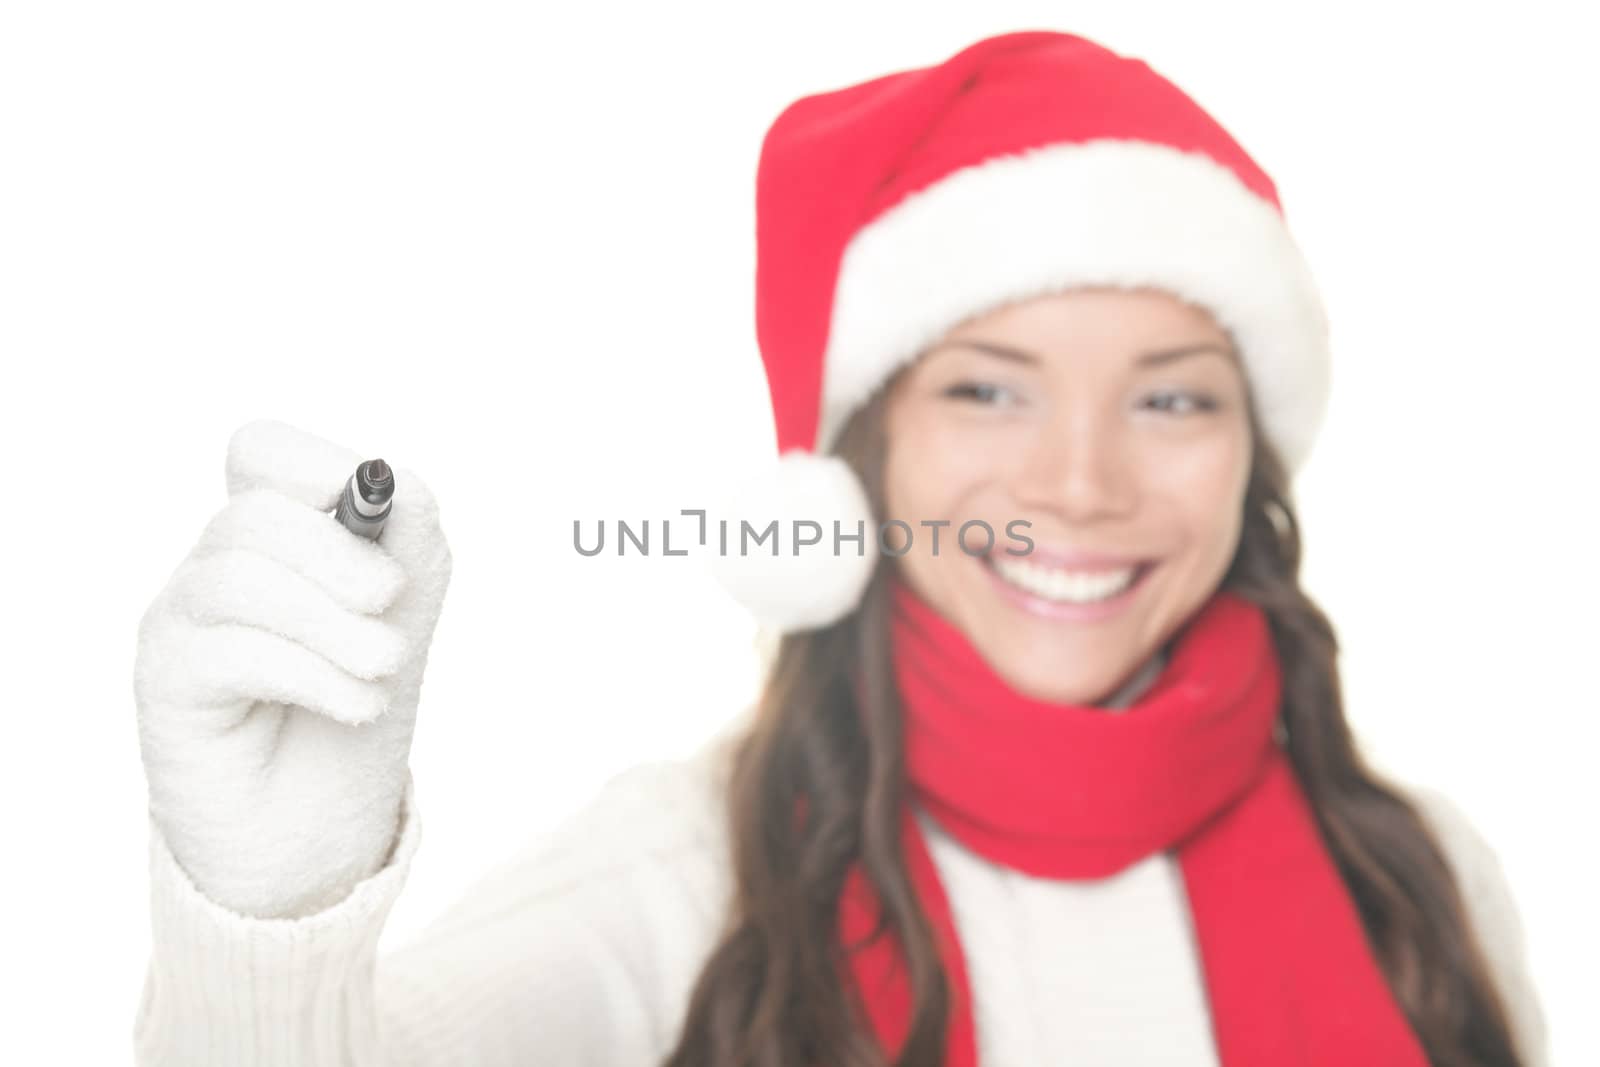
column 1051, row 765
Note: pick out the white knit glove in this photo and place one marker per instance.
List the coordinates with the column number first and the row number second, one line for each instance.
column 277, row 678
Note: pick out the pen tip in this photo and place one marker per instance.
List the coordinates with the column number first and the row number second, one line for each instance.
column 375, row 481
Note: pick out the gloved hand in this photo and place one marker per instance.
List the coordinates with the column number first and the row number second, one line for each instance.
column 277, row 678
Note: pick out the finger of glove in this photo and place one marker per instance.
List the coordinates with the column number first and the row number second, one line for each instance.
column 271, row 454
column 352, row 570
column 244, row 587
column 413, row 535
column 232, row 665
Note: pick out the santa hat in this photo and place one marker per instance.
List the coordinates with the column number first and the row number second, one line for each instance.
column 889, row 211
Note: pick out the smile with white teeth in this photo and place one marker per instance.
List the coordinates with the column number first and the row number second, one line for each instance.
column 1064, row 586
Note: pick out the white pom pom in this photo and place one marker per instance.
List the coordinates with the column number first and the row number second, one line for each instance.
column 804, row 586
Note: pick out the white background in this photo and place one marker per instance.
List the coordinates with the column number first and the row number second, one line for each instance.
column 515, row 242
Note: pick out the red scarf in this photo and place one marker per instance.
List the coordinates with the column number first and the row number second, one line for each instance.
column 1071, row 791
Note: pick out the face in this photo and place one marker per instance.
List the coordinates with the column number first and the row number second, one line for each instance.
column 1114, row 422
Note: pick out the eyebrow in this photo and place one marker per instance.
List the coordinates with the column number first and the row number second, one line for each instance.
column 1153, row 358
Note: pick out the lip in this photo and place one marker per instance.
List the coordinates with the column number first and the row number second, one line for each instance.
column 1098, row 611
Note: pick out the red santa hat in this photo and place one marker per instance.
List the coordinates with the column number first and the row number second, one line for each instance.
column 889, row 211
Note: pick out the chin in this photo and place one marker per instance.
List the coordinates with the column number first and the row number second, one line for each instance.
column 1041, row 677
column 1066, row 660
column 1054, row 691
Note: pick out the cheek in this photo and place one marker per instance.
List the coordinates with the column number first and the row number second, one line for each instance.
column 933, row 466
column 1201, row 486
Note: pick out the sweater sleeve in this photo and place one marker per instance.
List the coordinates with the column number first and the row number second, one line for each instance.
column 224, row 988
column 1495, row 916
column 577, row 951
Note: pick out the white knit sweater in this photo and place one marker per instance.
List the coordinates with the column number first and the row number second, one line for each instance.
column 584, row 949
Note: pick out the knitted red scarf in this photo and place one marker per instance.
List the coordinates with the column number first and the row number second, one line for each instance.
column 1069, row 791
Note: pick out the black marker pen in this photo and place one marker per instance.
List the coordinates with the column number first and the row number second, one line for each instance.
column 365, row 503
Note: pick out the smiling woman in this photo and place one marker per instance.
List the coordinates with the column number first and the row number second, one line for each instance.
column 1147, row 706
column 1094, row 800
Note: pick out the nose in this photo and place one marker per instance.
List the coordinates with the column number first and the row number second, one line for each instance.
column 1078, row 468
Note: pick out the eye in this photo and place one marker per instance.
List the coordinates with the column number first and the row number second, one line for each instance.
column 1182, row 403
column 981, row 392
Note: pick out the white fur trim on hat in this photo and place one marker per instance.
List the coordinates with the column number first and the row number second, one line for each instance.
column 803, row 586
column 1106, row 212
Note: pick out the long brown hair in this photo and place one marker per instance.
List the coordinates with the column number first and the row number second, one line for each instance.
column 771, row 993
